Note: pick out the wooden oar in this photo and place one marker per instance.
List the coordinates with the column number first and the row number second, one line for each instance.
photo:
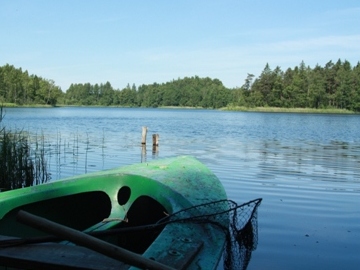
column 90, row 242
column 11, row 242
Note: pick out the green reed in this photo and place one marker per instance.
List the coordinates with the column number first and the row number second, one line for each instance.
column 20, row 166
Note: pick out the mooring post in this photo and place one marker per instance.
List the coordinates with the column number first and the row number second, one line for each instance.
column 155, row 139
column 143, row 135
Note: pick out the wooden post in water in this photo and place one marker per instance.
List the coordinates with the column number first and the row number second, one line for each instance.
column 155, row 139
column 143, row 135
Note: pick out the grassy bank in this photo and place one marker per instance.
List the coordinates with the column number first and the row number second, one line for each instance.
column 180, row 107
column 287, row 110
column 14, row 105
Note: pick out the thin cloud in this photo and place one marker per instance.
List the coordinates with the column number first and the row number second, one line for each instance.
column 345, row 42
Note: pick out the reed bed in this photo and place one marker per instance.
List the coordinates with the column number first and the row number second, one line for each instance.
column 20, row 165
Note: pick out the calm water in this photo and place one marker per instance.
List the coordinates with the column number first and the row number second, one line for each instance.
column 306, row 167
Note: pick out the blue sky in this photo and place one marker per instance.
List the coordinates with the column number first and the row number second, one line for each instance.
column 142, row 42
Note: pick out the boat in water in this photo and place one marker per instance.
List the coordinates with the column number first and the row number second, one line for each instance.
column 164, row 214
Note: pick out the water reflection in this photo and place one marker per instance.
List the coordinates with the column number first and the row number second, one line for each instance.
column 334, row 162
column 143, row 153
column 154, row 152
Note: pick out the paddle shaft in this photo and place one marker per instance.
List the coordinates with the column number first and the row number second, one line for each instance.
column 90, row 242
column 52, row 238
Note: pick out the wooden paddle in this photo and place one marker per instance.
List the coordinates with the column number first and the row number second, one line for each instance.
column 90, row 242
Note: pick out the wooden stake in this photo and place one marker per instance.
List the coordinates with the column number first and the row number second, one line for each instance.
column 155, row 139
column 143, row 135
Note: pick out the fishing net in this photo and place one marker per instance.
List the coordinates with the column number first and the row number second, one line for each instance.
column 242, row 238
column 241, row 232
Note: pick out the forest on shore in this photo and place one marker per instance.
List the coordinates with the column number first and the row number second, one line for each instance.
column 333, row 86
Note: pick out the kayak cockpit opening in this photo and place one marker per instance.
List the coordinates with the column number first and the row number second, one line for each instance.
column 78, row 211
column 144, row 211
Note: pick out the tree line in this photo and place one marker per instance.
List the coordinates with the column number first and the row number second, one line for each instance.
column 336, row 85
column 18, row 87
column 192, row 92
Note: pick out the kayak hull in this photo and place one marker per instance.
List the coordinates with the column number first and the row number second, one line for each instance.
column 130, row 196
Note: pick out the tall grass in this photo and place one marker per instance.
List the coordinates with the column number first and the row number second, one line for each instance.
column 287, row 110
column 19, row 165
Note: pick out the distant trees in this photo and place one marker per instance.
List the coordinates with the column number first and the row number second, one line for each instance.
column 99, row 95
column 186, row 92
column 191, row 92
column 17, row 86
column 333, row 86
column 336, row 85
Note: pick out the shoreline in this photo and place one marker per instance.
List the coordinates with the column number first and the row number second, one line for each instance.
column 230, row 108
column 288, row 110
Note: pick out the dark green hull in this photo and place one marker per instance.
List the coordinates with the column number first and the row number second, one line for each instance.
column 141, row 194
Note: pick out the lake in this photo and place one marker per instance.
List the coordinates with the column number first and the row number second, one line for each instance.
column 306, row 167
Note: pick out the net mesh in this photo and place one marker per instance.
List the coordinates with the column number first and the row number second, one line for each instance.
column 242, row 237
column 241, row 232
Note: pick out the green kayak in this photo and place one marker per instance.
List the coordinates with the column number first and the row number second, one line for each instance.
column 160, row 211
